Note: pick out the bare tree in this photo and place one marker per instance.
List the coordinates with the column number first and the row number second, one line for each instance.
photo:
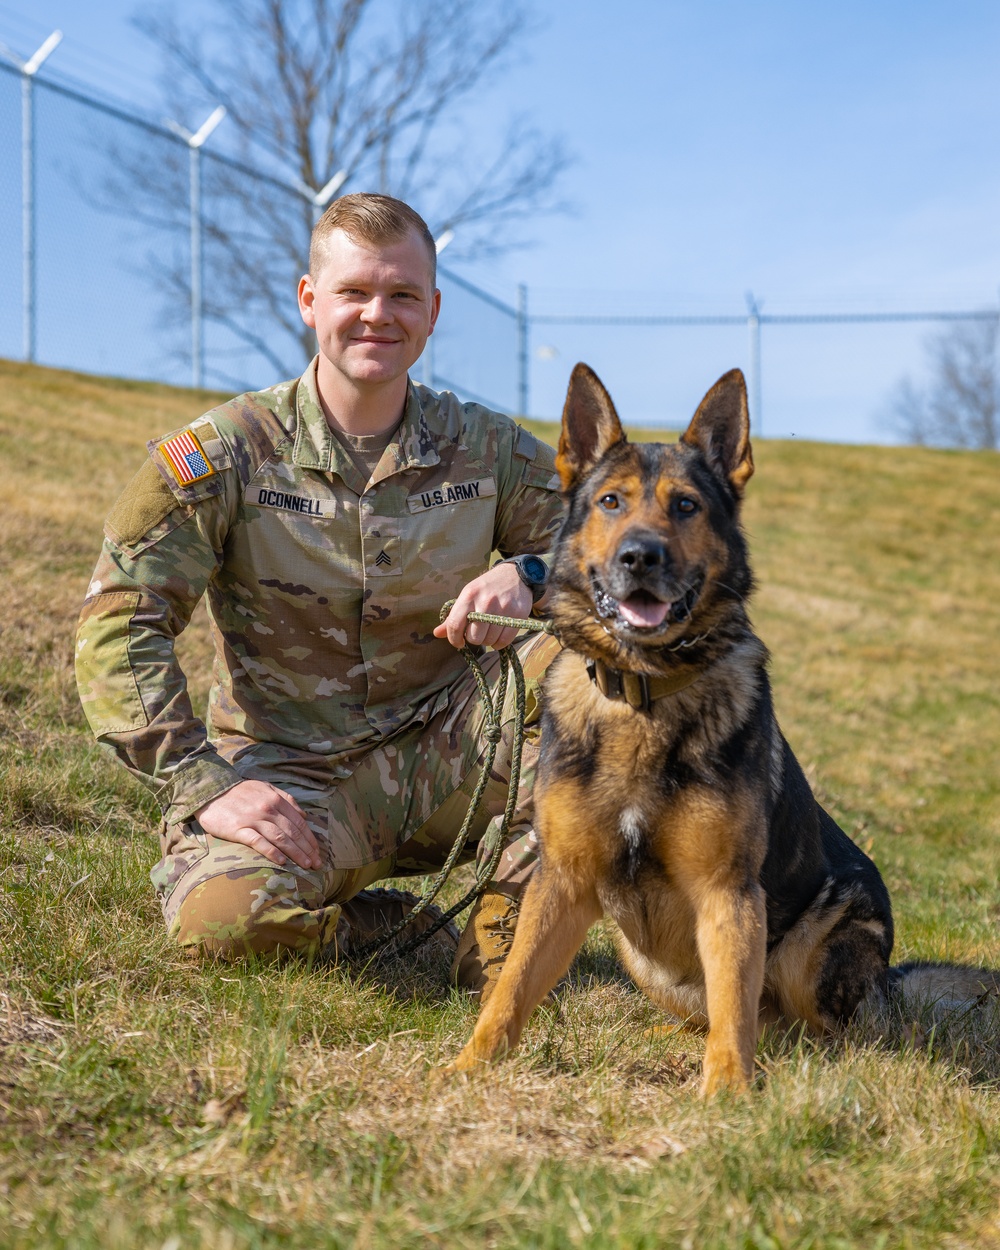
column 381, row 90
column 960, row 407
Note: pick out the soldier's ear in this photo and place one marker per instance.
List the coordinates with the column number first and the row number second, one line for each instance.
column 720, row 430
column 590, row 426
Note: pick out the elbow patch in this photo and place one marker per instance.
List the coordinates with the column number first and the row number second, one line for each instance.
column 108, row 689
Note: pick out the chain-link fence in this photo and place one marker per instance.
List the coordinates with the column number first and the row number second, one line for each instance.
column 106, row 285
column 127, row 250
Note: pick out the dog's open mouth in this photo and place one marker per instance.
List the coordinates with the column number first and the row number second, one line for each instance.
column 642, row 609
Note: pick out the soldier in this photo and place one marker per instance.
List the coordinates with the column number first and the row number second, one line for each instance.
column 327, row 519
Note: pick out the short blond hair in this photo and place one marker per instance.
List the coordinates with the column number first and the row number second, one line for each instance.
column 369, row 218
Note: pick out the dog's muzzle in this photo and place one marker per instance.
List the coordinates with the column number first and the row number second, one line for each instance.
column 647, row 605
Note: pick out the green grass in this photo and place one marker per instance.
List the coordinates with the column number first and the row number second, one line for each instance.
column 146, row 1101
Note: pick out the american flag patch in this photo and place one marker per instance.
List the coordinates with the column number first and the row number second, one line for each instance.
column 185, row 456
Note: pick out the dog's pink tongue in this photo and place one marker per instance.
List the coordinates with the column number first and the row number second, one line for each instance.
column 643, row 613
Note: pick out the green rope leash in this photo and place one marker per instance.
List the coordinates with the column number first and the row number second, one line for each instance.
column 510, row 666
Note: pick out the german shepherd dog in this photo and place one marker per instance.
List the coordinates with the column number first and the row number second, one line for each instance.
column 667, row 797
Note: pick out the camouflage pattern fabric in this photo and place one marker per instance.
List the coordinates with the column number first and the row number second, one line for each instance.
column 323, row 591
column 412, row 794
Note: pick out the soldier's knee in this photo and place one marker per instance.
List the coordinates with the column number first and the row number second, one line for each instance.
column 228, row 917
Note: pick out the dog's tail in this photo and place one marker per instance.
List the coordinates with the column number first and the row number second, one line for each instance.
column 947, row 985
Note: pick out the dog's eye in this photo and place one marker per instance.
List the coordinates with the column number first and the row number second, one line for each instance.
column 608, row 502
column 686, row 506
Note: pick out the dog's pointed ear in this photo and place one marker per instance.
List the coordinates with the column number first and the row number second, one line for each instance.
column 590, row 426
column 720, row 430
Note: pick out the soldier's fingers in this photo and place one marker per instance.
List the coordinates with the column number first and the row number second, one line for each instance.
column 485, row 635
column 298, row 807
column 286, row 807
column 292, row 842
column 477, row 633
column 284, row 813
column 455, row 626
column 488, row 635
column 248, row 836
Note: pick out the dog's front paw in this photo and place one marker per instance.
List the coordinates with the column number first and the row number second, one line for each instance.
column 724, row 1070
column 464, row 1062
column 443, row 1072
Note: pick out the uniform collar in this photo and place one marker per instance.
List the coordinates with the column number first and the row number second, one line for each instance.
column 415, row 444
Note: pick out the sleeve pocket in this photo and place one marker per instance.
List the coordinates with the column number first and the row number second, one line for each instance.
column 108, row 689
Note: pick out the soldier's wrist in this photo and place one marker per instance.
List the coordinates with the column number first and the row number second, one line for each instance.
column 533, row 573
column 195, row 785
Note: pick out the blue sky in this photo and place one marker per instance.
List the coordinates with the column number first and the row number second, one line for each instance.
column 826, row 157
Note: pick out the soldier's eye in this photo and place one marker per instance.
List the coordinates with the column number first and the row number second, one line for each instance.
column 687, row 507
column 608, row 502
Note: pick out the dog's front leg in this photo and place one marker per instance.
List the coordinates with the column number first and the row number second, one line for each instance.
column 732, row 943
column 555, row 916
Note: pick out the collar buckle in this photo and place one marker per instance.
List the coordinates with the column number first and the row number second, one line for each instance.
column 621, row 686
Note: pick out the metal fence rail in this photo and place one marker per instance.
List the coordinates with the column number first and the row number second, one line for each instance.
column 754, row 319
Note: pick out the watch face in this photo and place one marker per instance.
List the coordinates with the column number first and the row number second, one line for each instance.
column 534, row 568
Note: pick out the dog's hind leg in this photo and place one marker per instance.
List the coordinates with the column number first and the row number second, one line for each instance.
column 550, row 930
column 834, row 957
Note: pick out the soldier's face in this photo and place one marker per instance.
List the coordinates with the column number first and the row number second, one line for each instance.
column 372, row 307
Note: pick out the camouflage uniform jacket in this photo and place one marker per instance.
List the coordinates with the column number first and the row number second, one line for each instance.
column 322, row 589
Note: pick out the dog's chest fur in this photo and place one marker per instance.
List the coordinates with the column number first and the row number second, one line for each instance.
column 645, row 785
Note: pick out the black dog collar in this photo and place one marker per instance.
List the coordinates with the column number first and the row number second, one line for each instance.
column 636, row 689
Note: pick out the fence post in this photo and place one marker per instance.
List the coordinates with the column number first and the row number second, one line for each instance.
column 197, row 334
column 522, row 349
column 753, row 328
column 29, row 69
column 195, row 143
column 27, row 220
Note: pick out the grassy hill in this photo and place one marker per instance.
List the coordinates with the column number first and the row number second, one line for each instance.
column 145, row 1101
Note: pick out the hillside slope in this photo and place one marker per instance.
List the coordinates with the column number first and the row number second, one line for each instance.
column 147, row 1101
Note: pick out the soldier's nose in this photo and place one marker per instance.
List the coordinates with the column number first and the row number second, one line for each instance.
column 376, row 310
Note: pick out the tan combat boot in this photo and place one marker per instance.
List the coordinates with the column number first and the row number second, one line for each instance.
column 373, row 912
column 485, row 943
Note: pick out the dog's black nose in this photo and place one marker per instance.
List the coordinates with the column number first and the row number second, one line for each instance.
column 640, row 553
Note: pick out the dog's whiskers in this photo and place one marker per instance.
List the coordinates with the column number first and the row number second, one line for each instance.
column 738, row 595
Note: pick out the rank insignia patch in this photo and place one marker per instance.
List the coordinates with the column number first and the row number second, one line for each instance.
column 186, row 457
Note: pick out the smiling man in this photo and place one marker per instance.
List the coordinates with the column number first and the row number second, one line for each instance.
column 326, row 519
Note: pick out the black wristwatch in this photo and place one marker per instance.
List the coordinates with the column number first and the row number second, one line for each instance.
column 532, row 571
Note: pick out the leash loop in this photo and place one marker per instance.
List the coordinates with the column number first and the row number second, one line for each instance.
column 492, row 733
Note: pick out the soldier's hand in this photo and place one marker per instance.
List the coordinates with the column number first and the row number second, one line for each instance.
column 499, row 592
column 264, row 818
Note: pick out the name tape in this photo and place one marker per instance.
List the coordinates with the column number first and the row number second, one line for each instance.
column 452, row 492
column 265, row 498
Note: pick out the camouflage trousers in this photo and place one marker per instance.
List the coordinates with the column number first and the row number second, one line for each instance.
column 405, row 800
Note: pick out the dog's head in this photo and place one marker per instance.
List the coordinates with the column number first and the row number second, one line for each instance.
column 651, row 560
